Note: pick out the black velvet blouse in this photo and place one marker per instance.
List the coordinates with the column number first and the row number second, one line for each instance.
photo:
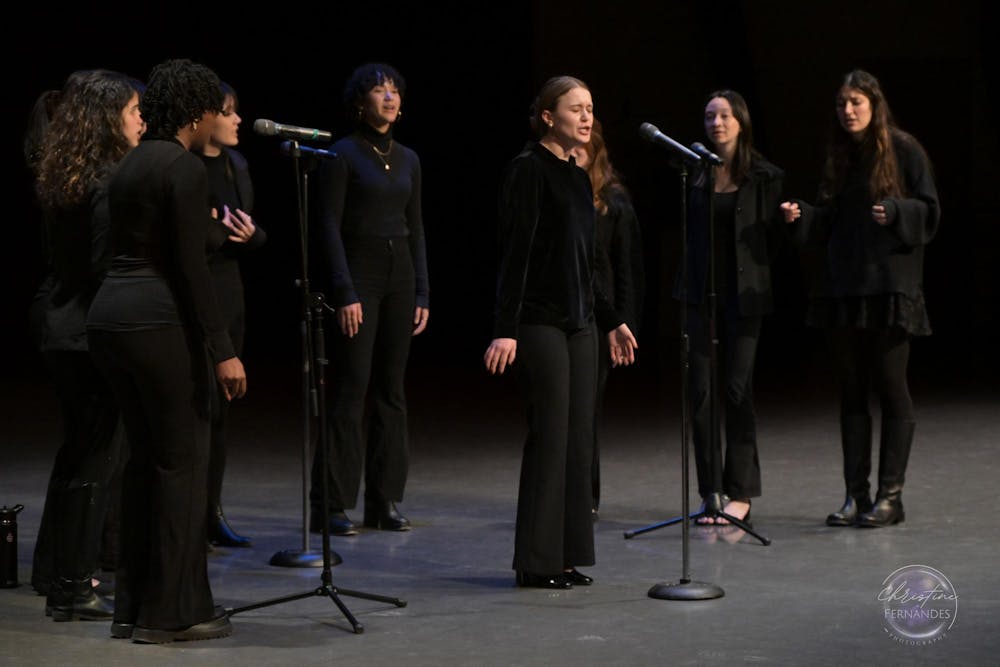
column 546, row 242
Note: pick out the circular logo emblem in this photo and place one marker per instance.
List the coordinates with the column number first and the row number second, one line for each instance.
column 919, row 604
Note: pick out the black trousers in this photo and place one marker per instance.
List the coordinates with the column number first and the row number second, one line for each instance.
column 79, row 494
column 235, row 314
column 863, row 357
column 360, row 436
column 603, row 369
column 739, row 474
column 161, row 384
column 557, row 375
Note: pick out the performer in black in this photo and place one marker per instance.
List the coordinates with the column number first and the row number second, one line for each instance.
column 877, row 209
column 157, row 335
column 545, row 317
column 95, row 123
column 375, row 272
column 747, row 194
column 231, row 195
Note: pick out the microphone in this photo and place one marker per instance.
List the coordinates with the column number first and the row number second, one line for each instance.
column 291, row 148
column 271, row 129
column 705, row 154
column 652, row 133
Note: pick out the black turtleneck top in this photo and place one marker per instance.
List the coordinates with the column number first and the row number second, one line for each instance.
column 371, row 193
column 546, row 228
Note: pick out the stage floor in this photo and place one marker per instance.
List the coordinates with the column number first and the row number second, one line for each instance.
column 810, row 598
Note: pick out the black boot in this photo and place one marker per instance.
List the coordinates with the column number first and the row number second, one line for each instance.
column 383, row 514
column 856, row 443
column 70, row 599
column 219, row 532
column 894, row 453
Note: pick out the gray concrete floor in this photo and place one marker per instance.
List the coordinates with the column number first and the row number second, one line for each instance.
column 810, row 598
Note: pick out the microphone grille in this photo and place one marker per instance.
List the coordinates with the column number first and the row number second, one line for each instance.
column 648, row 130
column 265, row 127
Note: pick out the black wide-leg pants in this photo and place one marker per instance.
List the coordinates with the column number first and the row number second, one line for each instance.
column 162, row 387
column 557, row 373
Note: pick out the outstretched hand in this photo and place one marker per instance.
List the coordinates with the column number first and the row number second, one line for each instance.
column 791, row 211
column 622, row 346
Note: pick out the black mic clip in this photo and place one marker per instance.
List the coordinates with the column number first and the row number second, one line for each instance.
column 706, row 155
column 293, row 149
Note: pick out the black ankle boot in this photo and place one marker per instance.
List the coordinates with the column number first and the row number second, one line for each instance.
column 382, row 514
column 220, row 533
column 70, row 599
column 885, row 512
column 894, row 454
column 848, row 514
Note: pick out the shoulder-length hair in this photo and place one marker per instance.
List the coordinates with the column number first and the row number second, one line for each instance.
column 739, row 166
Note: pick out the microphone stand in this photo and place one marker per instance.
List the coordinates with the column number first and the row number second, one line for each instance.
column 314, row 363
column 686, row 588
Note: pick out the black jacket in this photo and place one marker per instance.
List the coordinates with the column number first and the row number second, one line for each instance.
column 757, row 236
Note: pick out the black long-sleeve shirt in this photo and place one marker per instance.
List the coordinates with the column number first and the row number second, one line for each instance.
column 618, row 259
column 158, row 203
column 360, row 197
column 546, row 227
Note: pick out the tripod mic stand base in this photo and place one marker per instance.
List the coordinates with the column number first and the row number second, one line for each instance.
column 686, row 590
column 298, row 558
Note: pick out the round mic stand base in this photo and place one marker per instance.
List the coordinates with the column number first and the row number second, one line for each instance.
column 686, row 590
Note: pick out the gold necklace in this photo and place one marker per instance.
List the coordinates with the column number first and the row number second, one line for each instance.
column 382, row 155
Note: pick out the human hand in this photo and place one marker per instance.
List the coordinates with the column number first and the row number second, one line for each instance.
column 239, row 223
column 879, row 215
column 350, row 318
column 420, row 317
column 500, row 354
column 232, row 378
column 622, row 346
column 791, row 211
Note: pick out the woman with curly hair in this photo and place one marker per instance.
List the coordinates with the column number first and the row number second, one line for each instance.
column 94, row 125
column 877, row 209
column 157, row 334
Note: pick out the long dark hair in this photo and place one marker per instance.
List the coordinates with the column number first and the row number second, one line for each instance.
column 876, row 149
column 740, row 165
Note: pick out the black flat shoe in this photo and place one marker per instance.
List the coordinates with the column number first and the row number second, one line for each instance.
column 221, row 534
column 384, row 516
column 340, row 524
column 847, row 515
column 578, row 578
column 214, row 628
column 530, row 580
column 121, row 630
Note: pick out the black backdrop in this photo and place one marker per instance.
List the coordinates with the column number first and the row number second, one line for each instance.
column 472, row 70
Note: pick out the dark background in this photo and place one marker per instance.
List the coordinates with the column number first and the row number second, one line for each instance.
column 472, row 70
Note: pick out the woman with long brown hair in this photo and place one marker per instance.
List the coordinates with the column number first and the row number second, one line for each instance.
column 877, row 209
